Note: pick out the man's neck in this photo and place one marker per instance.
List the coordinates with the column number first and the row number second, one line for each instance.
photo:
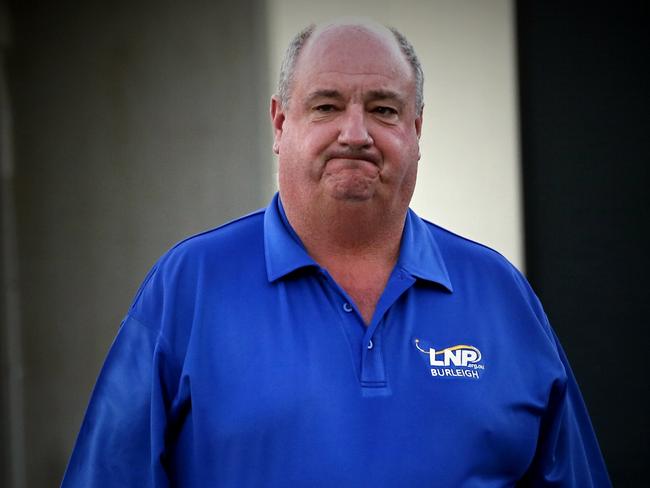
column 357, row 243
column 347, row 230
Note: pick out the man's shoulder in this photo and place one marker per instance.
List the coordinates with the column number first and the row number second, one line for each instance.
column 474, row 266
column 236, row 235
column 457, row 249
column 208, row 259
column 230, row 245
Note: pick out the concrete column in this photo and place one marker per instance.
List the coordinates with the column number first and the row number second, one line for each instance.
column 136, row 124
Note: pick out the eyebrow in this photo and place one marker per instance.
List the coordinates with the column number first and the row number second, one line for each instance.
column 323, row 94
column 375, row 95
column 371, row 96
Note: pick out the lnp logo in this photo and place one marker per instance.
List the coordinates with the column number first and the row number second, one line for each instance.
column 459, row 361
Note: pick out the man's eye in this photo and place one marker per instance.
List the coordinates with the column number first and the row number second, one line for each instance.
column 385, row 111
column 324, row 108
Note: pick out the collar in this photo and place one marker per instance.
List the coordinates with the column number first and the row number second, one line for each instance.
column 285, row 253
column 419, row 254
column 283, row 249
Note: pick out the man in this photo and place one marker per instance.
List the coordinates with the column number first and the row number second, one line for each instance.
column 336, row 339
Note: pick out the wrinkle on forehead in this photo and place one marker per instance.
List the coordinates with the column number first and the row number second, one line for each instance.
column 356, row 73
column 369, row 95
column 340, row 76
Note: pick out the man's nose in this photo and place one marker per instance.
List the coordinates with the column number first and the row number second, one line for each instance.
column 354, row 130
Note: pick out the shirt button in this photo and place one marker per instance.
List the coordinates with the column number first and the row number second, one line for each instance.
column 370, row 344
column 347, row 307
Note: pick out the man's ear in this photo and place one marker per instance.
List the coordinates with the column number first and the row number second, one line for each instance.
column 277, row 120
column 418, row 123
column 418, row 129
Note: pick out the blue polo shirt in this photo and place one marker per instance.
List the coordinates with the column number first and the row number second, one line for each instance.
column 242, row 363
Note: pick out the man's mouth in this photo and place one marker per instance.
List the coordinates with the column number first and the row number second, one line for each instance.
column 352, row 157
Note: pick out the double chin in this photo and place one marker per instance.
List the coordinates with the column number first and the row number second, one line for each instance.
column 357, row 183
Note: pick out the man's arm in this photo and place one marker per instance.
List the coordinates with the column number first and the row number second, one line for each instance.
column 567, row 452
column 121, row 441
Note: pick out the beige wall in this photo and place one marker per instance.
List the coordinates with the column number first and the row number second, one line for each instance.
column 469, row 173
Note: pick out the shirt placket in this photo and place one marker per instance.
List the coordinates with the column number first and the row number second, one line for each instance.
column 367, row 342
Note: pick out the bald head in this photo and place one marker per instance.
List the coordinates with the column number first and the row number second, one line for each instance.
column 315, row 38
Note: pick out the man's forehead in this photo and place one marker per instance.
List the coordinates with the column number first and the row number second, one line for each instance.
column 353, row 48
column 351, row 27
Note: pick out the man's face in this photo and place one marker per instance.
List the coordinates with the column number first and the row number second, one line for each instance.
column 351, row 130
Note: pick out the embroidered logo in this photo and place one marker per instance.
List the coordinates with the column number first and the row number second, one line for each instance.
column 460, row 361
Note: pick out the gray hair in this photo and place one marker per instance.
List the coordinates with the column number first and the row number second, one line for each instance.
column 288, row 66
column 409, row 51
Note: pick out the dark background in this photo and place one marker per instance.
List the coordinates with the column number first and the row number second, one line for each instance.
column 584, row 88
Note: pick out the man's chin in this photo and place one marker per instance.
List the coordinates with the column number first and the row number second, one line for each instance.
column 352, row 197
column 352, row 193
